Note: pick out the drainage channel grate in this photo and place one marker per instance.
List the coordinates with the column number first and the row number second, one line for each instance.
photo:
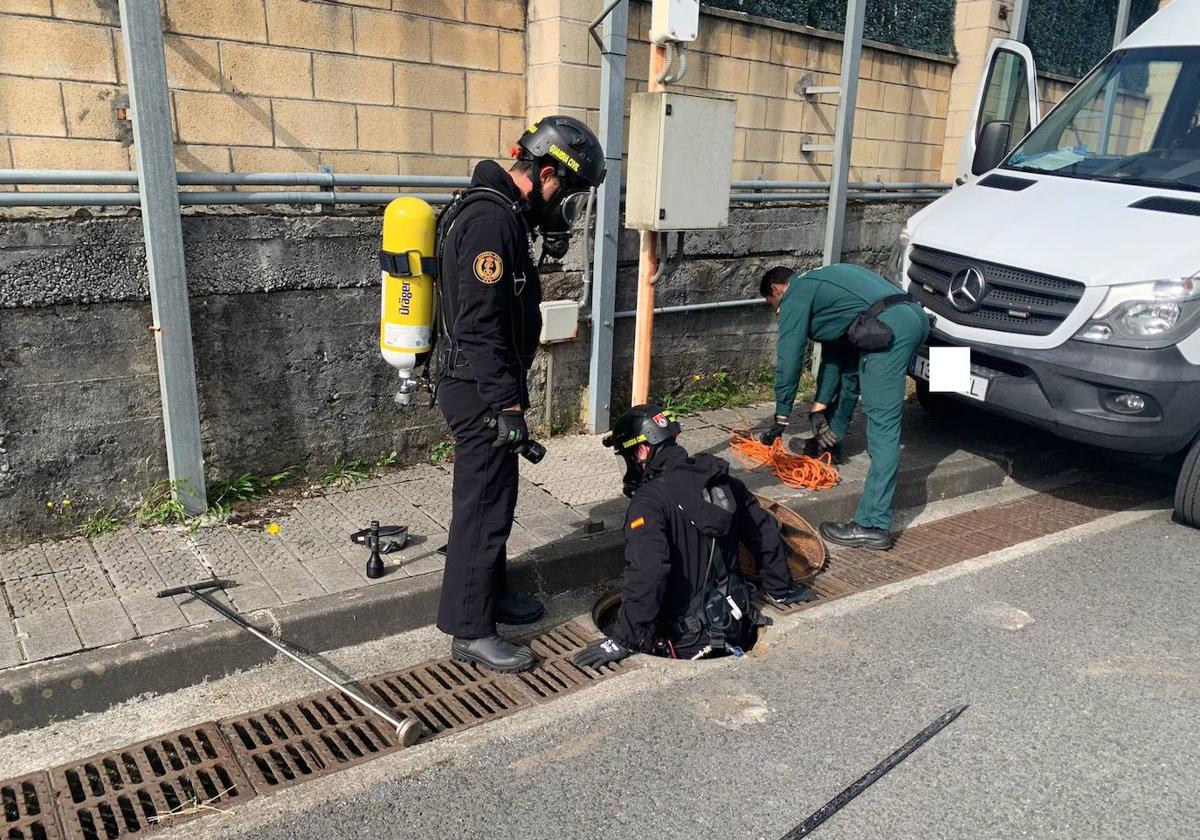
column 306, row 738
column 964, row 536
column 152, row 784
column 28, row 809
column 448, row 696
column 556, row 674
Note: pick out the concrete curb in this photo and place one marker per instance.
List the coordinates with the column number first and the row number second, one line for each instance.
column 39, row 693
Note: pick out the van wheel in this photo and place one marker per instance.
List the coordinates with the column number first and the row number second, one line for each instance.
column 940, row 405
column 1187, row 490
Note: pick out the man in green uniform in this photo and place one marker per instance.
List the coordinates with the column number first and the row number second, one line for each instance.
column 823, row 304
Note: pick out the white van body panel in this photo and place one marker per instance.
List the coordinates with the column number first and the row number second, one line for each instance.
column 1065, row 227
column 1176, row 25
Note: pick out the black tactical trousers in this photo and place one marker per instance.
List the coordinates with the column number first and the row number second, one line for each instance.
column 484, row 498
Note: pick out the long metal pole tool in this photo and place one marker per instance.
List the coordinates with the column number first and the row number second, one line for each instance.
column 408, row 731
column 834, row 805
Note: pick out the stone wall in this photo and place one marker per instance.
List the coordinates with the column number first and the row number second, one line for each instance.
column 284, row 311
column 386, row 87
column 902, row 94
column 428, row 87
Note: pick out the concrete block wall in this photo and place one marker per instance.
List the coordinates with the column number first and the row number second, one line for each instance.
column 902, row 99
column 284, row 320
column 370, row 86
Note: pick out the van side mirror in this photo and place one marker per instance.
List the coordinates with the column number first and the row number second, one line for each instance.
column 991, row 147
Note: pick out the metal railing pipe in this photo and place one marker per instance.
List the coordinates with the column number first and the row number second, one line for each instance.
column 696, row 307
column 65, row 178
column 68, row 199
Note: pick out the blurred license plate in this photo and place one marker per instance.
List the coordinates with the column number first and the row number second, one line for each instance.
column 918, row 366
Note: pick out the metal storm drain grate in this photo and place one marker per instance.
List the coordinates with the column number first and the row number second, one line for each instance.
column 28, row 809
column 306, row 738
column 448, row 696
column 152, row 784
column 964, row 536
column 556, row 674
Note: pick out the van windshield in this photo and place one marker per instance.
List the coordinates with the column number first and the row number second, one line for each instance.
column 1134, row 120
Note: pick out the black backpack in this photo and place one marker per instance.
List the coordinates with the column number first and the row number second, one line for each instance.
column 720, row 615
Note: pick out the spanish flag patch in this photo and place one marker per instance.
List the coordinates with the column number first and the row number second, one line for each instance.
column 637, row 523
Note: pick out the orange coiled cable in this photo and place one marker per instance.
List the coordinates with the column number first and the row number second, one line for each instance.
column 796, row 471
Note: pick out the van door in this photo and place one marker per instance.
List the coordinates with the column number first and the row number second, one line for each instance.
column 1007, row 93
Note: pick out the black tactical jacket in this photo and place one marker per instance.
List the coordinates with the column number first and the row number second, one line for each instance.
column 669, row 530
column 489, row 295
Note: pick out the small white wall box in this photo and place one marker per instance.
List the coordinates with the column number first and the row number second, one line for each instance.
column 680, row 161
column 674, row 20
column 560, row 321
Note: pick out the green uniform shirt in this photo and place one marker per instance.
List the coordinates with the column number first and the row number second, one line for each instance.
column 820, row 304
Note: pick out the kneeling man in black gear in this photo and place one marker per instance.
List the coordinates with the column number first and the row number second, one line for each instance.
column 683, row 594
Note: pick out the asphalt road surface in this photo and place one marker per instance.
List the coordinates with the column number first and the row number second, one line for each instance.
column 1079, row 656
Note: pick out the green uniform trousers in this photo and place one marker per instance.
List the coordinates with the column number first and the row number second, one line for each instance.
column 882, row 376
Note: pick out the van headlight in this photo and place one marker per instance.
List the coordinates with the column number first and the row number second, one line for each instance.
column 895, row 263
column 1154, row 313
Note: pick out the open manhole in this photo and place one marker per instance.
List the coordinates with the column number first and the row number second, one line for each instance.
column 806, row 551
column 156, row 783
column 448, row 696
column 306, row 738
column 28, row 809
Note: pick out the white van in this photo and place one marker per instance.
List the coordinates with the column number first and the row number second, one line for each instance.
column 1069, row 261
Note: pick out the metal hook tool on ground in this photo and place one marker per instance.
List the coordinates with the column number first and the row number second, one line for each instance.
column 408, row 731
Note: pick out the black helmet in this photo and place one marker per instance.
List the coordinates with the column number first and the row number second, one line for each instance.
column 649, row 424
column 569, row 144
column 652, row 425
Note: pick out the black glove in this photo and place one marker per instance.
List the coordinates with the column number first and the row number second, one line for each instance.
column 602, row 652
column 798, row 594
column 511, row 430
column 778, row 427
column 822, row 434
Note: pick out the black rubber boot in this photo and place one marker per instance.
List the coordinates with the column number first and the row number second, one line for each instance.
column 494, row 653
column 810, row 447
column 855, row 535
column 518, row 609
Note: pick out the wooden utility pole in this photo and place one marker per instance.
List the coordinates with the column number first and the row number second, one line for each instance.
column 647, row 268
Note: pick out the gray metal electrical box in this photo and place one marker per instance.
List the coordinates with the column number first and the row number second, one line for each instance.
column 680, row 160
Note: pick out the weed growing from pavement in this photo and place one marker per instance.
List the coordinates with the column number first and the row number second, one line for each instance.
column 245, row 487
column 98, row 524
column 722, row 389
column 442, row 452
column 160, row 506
column 346, row 473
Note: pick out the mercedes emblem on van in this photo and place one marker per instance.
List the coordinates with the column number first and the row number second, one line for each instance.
column 967, row 289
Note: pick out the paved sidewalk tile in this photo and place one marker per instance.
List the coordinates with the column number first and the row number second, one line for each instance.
column 10, row 651
column 429, row 473
column 84, row 585
column 152, row 615
column 102, row 623
column 252, row 593
column 295, row 584
column 126, row 563
column 268, row 551
column 70, row 554
column 221, row 552
column 172, row 556
column 47, row 634
column 34, row 595
column 426, row 564
column 25, row 561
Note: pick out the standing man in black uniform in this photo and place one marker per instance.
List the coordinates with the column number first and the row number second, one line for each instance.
column 683, row 593
column 489, row 321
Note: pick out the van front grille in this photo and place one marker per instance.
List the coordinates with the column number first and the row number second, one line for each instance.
column 1014, row 300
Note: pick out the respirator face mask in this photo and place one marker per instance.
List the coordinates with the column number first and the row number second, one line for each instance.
column 558, row 216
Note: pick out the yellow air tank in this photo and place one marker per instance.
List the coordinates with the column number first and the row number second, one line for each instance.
column 406, row 311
